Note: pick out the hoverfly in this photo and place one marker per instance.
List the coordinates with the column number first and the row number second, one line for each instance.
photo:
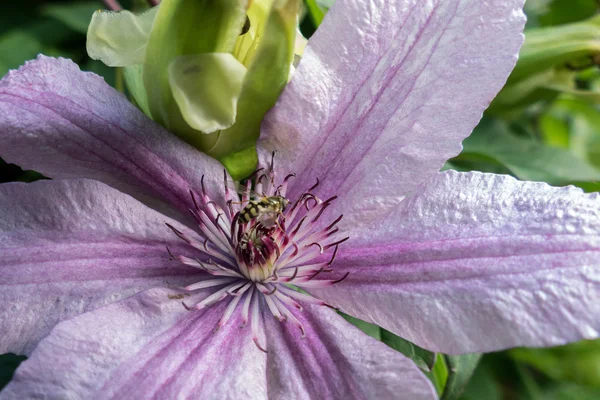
column 268, row 206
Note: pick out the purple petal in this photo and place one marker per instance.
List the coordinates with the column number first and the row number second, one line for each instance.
column 337, row 361
column 67, row 247
column 147, row 346
column 65, row 123
column 478, row 262
column 386, row 92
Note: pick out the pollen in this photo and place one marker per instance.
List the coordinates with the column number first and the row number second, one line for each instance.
column 262, row 263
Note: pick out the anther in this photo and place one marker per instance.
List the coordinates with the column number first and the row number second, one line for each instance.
column 318, row 245
column 337, row 243
column 194, row 200
column 297, row 228
column 334, row 222
column 341, row 279
column 314, row 186
column 202, row 186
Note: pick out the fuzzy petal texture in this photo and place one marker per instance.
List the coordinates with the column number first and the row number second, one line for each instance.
column 478, row 262
column 386, row 91
column 337, row 361
column 66, row 123
column 149, row 346
column 67, row 247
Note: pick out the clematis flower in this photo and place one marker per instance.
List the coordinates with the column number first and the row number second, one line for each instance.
column 115, row 290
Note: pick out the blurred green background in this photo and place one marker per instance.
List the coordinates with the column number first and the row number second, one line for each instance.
column 543, row 126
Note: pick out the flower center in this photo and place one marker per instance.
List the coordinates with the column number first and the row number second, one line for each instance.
column 262, row 250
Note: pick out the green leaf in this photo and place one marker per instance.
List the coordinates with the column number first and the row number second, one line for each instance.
column 568, row 391
column 576, row 362
column 526, row 158
column 119, row 39
column 482, row 385
column 370, row 329
column 424, row 359
column 206, row 88
column 438, row 374
column 565, row 11
column 546, row 48
column 460, row 370
column 582, row 120
column 554, row 130
column 76, row 16
column 16, row 47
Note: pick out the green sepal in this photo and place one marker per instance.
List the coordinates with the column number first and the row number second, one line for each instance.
column 119, row 39
column 237, row 164
column 135, row 86
column 187, row 27
column 266, row 77
column 206, row 88
column 368, row 328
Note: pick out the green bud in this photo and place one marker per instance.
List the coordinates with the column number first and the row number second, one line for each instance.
column 119, row 39
column 207, row 70
column 206, row 88
column 268, row 72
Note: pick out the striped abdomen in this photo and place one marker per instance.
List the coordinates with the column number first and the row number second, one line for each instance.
column 270, row 206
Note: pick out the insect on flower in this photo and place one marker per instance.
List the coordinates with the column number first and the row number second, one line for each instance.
column 264, row 208
column 455, row 262
column 270, row 207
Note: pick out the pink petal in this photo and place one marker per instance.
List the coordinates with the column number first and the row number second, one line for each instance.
column 67, row 247
column 386, row 92
column 65, row 123
column 477, row 262
column 147, row 346
column 337, row 361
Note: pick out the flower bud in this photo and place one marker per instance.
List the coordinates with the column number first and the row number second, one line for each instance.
column 207, row 70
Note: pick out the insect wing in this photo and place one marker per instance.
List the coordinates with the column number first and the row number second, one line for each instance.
column 244, row 191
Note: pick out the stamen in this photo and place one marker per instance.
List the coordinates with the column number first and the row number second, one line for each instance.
column 216, row 297
column 290, row 317
column 254, row 324
column 252, row 262
column 337, row 243
column 335, row 222
column 208, row 283
column 194, row 200
column 273, row 308
column 229, row 311
column 246, row 305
